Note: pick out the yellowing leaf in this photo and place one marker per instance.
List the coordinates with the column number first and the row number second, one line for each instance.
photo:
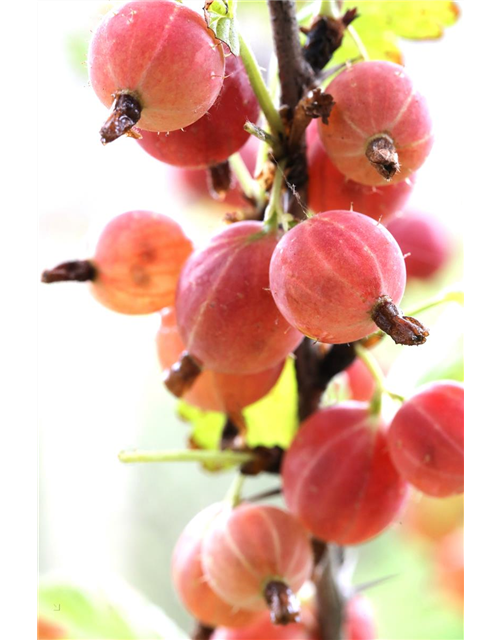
column 270, row 422
column 273, row 420
column 379, row 41
column 413, row 19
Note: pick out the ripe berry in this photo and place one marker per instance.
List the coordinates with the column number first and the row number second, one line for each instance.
column 213, row 391
column 136, row 265
column 359, row 623
column 338, row 477
column 379, row 128
column 433, row 518
column 226, row 315
column 328, row 273
column 190, row 580
column 423, row 240
column 194, row 183
column 449, row 559
column 264, row 629
column 48, row 630
column 361, row 382
column 159, row 61
column 215, row 136
column 426, row 439
column 248, row 551
column 329, row 189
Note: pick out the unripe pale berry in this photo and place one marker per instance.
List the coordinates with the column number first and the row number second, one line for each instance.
column 136, row 265
column 138, row 259
column 248, row 547
column 191, row 582
column 379, row 128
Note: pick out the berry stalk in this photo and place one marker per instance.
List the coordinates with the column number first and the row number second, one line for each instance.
column 186, row 455
column 74, row 271
column 259, row 87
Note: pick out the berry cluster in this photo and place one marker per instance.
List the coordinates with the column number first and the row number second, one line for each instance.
column 271, row 284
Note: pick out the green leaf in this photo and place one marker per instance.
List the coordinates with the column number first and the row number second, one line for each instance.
column 381, row 23
column 207, row 425
column 273, row 420
column 421, row 20
column 380, row 42
column 108, row 613
column 270, row 422
column 220, row 16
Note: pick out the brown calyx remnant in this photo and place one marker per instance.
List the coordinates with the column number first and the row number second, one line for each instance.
column 383, row 156
column 219, row 179
column 315, row 104
column 267, row 459
column 324, row 37
column 74, row 271
column 182, row 375
column 402, row 329
column 126, row 113
column 202, row 632
column 283, row 604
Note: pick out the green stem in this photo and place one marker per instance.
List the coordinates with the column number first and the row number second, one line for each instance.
column 233, row 496
column 261, row 134
column 250, row 186
column 358, row 42
column 259, row 87
column 186, row 455
column 273, row 87
column 447, row 296
column 335, row 13
column 274, row 210
column 378, row 376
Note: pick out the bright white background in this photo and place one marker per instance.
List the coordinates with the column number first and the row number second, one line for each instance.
column 99, row 384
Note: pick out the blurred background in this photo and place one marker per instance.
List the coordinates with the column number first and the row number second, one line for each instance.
column 100, row 388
